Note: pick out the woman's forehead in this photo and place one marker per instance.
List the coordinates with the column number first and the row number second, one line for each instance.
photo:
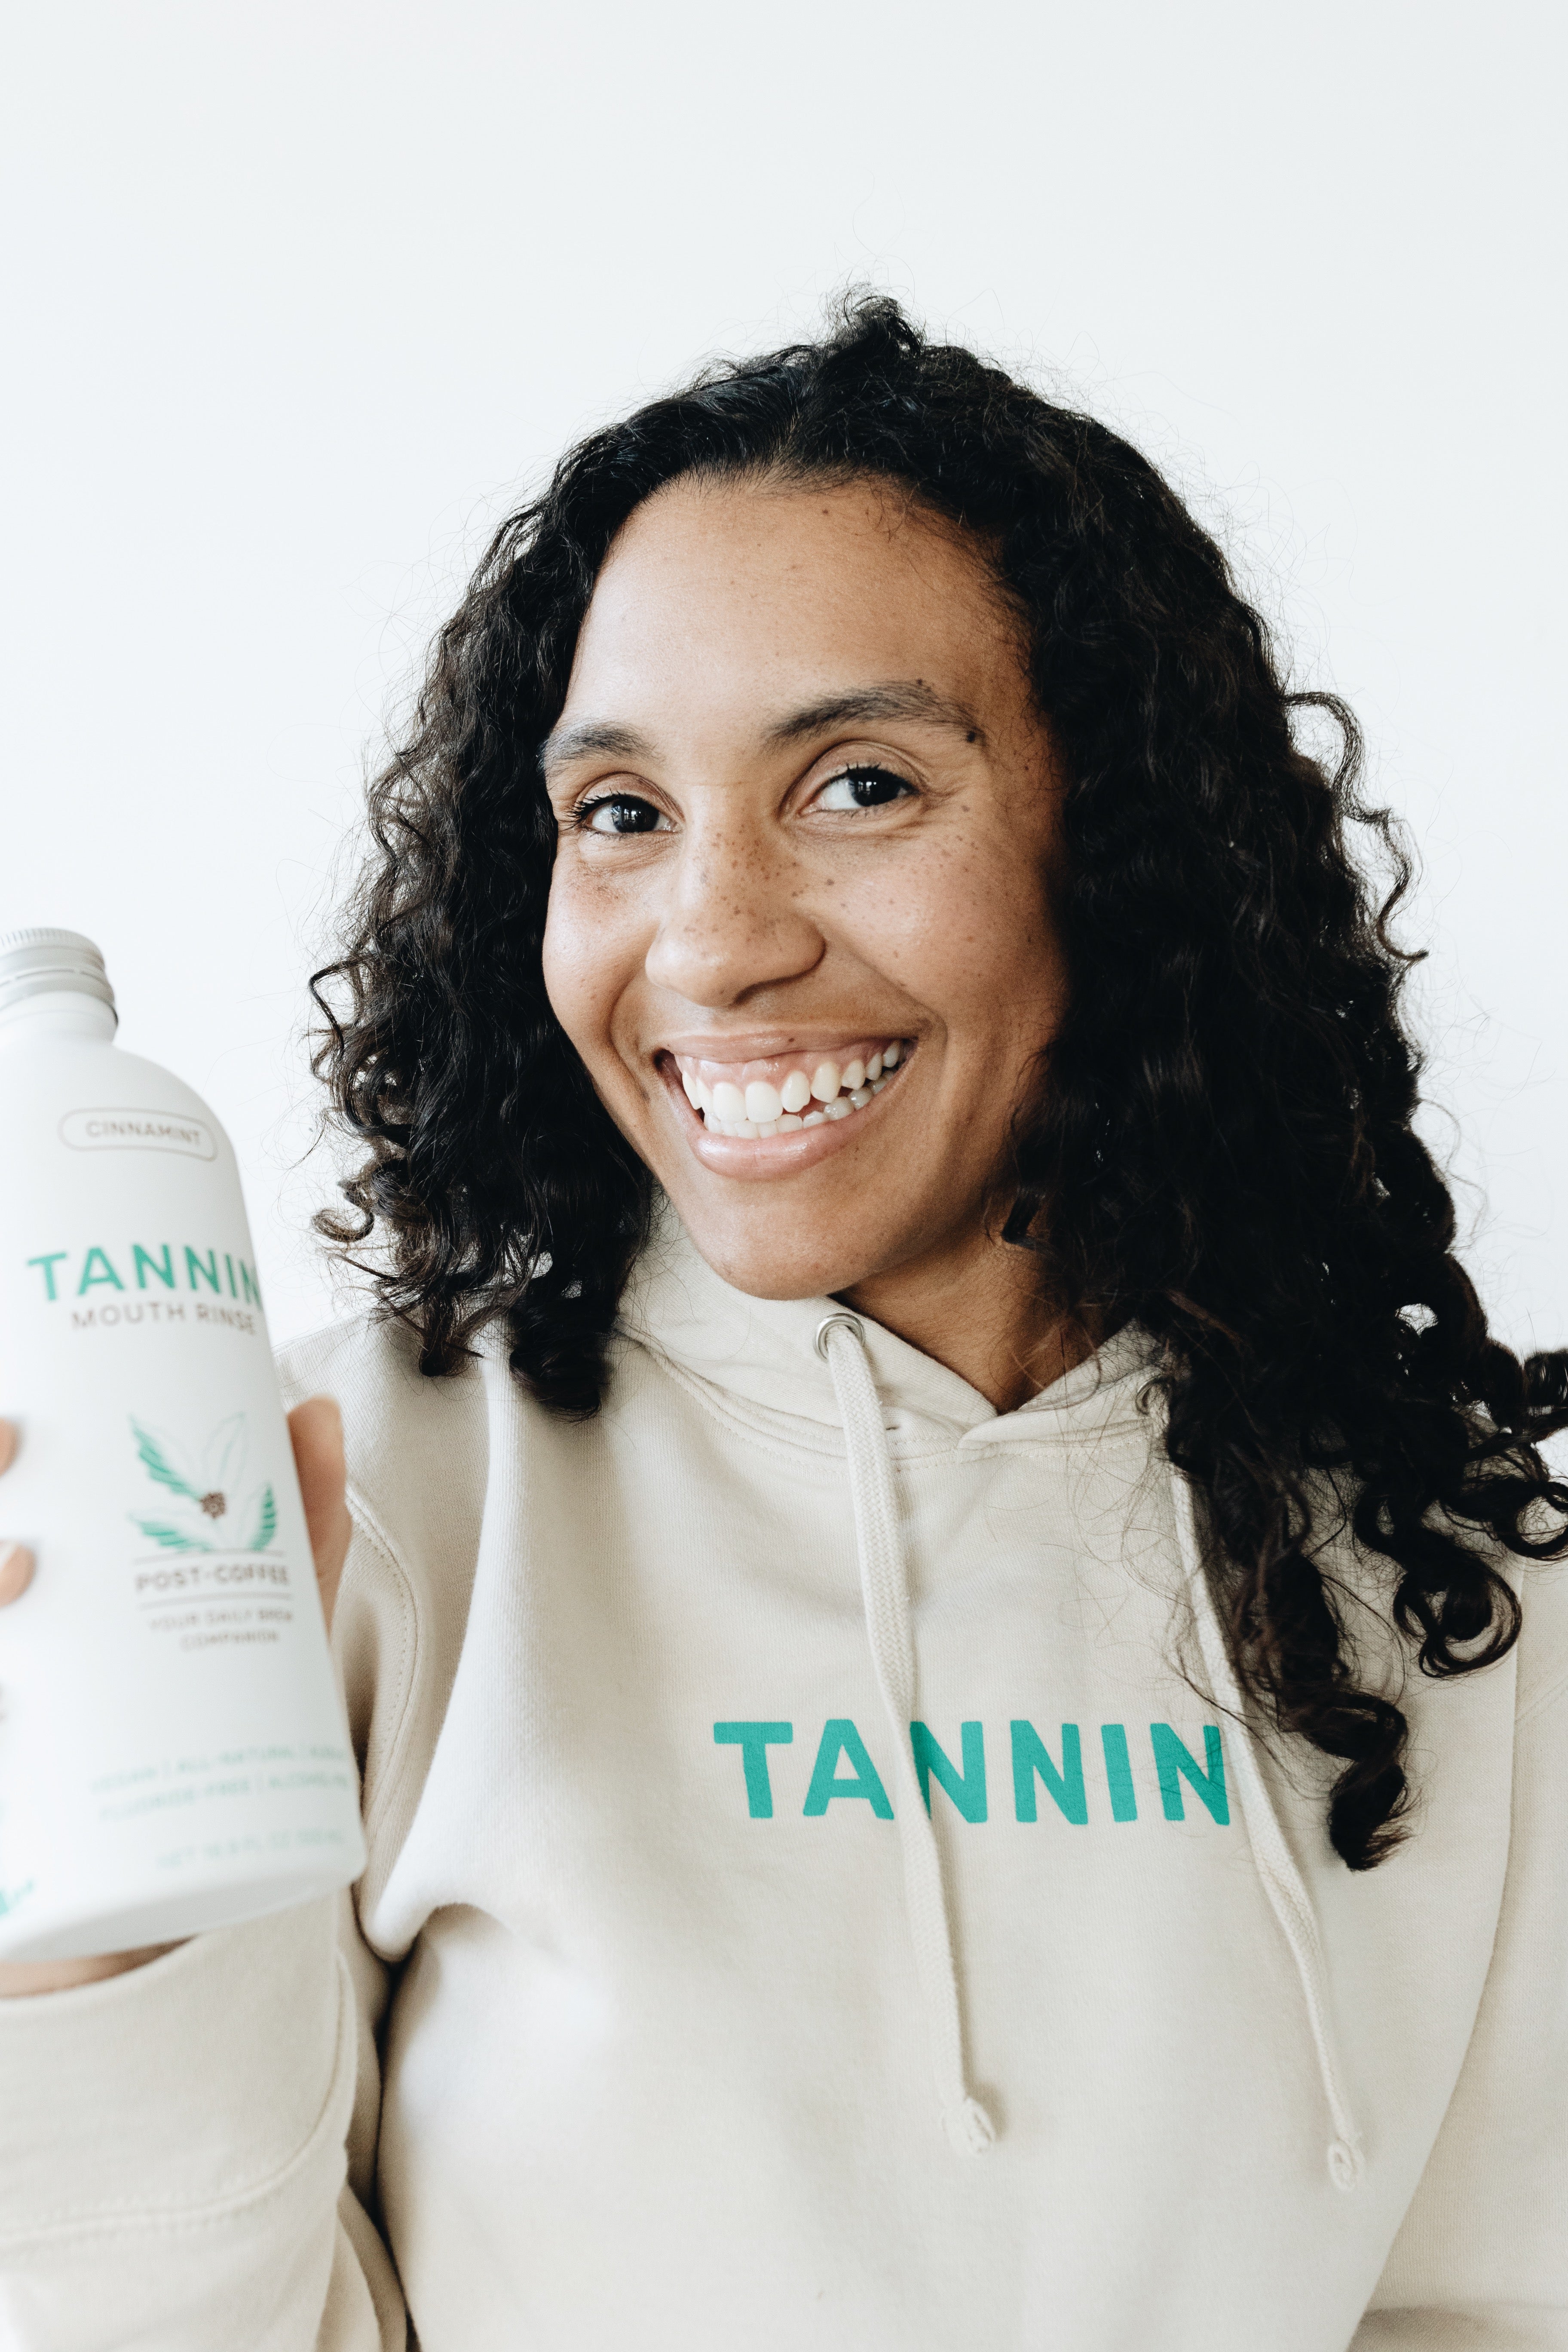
column 779, row 596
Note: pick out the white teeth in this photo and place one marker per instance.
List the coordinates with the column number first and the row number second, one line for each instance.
column 759, row 1110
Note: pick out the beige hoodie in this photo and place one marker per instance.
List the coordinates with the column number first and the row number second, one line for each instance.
column 665, row 2015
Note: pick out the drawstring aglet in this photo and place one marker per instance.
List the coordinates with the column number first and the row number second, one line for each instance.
column 970, row 2128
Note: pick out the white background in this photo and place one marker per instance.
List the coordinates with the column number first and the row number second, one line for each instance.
column 300, row 298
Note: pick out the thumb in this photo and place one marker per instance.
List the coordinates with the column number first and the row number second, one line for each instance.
column 316, row 1428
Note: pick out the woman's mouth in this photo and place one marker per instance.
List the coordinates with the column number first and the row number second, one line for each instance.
column 788, row 1092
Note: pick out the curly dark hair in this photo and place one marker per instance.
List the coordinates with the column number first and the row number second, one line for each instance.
column 1222, row 1147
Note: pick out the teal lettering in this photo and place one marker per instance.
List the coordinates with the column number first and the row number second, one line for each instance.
column 146, row 1264
column 100, row 1258
column 228, row 1264
column 967, row 1789
column 840, row 1738
column 249, row 1289
column 1174, row 1763
column 753, row 1740
column 1066, row 1789
column 207, row 1267
column 48, row 1263
column 1119, row 1773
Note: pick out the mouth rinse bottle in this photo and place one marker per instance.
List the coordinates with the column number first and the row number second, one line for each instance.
column 173, row 1754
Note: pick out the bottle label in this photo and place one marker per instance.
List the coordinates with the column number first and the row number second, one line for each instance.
column 138, row 1130
column 172, row 1739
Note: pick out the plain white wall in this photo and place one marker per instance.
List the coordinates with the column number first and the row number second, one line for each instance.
column 299, row 298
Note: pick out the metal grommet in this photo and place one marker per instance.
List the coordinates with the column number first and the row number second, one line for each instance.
column 835, row 1322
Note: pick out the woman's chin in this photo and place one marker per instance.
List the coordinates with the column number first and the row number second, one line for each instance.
column 789, row 1260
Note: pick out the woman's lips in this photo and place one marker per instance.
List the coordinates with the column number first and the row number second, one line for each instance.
column 794, row 1141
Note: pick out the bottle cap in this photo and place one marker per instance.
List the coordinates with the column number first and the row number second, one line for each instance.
column 45, row 962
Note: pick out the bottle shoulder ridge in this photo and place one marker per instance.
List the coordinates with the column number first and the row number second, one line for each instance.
column 67, row 1072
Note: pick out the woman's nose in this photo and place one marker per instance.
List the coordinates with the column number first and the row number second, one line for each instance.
column 734, row 921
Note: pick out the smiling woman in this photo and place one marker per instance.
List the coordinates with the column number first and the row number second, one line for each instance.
column 965, row 1574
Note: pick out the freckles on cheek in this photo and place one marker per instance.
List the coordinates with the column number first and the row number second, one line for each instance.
column 924, row 929
column 976, row 935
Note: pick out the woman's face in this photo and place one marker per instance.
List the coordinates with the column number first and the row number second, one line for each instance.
column 807, row 818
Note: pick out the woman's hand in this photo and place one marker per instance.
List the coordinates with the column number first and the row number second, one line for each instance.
column 316, row 1429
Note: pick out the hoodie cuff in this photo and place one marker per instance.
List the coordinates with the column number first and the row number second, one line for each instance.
column 193, row 2082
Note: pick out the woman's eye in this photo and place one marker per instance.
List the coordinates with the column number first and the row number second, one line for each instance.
column 862, row 788
column 621, row 814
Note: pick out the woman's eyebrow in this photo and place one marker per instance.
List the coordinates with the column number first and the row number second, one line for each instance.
column 908, row 697
column 594, row 735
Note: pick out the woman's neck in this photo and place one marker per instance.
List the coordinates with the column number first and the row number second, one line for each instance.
column 977, row 1309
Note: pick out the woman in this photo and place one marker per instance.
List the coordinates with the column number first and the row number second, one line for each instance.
column 963, row 1736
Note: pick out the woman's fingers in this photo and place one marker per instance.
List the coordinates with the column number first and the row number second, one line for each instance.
column 15, row 1559
column 16, row 1570
column 21, row 1977
column 317, row 1429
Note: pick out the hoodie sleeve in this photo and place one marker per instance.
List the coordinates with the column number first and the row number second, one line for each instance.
column 175, row 2144
column 1481, row 2259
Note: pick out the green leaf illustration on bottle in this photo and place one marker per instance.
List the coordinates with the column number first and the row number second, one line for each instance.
column 265, row 1522
column 210, row 1509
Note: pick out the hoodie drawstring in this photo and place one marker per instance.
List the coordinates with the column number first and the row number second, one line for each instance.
column 884, row 1590
column 1282, row 1882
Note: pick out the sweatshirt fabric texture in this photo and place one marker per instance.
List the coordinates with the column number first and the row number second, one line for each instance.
column 666, row 2012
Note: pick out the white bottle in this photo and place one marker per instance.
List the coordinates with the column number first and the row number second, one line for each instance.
column 173, row 1750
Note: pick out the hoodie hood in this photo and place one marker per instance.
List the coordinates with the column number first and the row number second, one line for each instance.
column 760, row 1357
